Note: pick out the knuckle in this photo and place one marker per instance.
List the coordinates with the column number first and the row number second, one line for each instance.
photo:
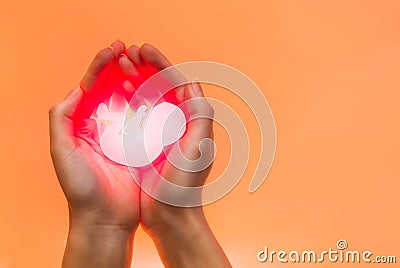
column 54, row 110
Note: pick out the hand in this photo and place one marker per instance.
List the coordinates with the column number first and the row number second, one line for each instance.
column 103, row 198
column 181, row 235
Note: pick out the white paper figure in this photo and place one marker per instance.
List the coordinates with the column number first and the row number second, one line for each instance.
column 140, row 136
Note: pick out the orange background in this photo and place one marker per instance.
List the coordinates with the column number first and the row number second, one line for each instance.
column 329, row 69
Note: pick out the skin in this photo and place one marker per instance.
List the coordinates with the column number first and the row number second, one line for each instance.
column 105, row 204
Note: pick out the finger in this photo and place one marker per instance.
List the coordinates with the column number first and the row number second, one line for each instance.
column 61, row 126
column 155, row 57
column 200, row 114
column 119, row 47
column 127, row 66
column 133, row 53
column 102, row 59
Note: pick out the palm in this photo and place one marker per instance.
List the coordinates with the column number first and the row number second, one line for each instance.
column 91, row 182
column 154, row 212
column 102, row 185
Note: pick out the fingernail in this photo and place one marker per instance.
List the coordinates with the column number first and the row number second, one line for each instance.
column 127, row 85
column 118, row 44
column 116, row 41
column 127, row 66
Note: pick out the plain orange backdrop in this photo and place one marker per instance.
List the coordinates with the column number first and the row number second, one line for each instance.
column 329, row 70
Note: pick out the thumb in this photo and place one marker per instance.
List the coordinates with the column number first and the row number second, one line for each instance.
column 62, row 139
column 200, row 123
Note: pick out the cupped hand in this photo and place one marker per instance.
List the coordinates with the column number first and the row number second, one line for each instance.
column 181, row 235
column 105, row 202
column 156, row 214
column 99, row 191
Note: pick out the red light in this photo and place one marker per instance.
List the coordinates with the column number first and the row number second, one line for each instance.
column 108, row 103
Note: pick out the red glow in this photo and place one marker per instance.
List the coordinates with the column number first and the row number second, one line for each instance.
column 110, row 86
column 109, row 82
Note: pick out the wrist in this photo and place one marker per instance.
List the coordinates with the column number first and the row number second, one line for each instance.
column 175, row 221
column 96, row 219
column 97, row 245
column 99, row 232
column 186, row 240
